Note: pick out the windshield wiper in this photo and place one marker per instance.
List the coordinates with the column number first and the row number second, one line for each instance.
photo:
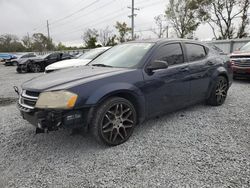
column 101, row 65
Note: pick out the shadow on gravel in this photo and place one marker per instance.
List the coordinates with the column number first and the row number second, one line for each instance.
column 7, row 101
column 242, row 80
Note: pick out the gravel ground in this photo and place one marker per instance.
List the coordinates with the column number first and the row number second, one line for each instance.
column 200, row 146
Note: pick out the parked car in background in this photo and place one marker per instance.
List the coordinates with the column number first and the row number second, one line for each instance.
column 20, row 57
column 241, row 61
column 80, row 61
column 6, row 56
column 124, row 86
column 38, row 64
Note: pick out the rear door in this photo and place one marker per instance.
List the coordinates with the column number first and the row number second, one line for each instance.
column 52, row 58
column 167, row 89
column 200, row 69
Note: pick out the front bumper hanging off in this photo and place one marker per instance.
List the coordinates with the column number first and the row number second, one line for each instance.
column 53, row 120
column 50, row 119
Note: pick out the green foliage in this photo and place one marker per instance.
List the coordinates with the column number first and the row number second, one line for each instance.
column 123, row 31
column 10, row 43
column 41, row 43
column 111, row 41
column 184, row 16
column 90, row 38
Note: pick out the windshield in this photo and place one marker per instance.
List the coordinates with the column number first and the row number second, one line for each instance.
column 92, row 53
column 123, row 56
column 246, row 47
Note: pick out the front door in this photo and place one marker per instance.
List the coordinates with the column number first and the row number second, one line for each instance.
column 167, row 89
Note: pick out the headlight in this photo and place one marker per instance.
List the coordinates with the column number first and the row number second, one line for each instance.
column 56, row 100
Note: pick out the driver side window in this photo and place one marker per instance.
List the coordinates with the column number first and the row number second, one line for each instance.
column 171, row 53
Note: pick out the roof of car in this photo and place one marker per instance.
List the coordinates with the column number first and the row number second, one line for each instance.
column 164, row 40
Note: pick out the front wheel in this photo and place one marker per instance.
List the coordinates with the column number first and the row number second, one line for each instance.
column 35, row 68
column 114, row 121
column 219, row 92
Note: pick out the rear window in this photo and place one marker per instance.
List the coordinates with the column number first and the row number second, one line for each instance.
column 195, row 52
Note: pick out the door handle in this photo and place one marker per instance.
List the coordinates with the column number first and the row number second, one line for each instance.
column 210, row 63
column 184, row 69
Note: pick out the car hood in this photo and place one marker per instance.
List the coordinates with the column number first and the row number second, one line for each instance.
column 24, row 60
column 67, row 78
column 67, row 63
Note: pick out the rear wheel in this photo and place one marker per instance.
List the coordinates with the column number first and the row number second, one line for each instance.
column 219, row 92
column 35, row 68
column 114, row 121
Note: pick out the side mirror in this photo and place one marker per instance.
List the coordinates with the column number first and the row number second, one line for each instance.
column 157, row 65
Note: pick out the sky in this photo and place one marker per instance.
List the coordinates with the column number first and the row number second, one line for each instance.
column 68, row 19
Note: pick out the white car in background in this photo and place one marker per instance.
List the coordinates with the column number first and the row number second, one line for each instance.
column 80, row 61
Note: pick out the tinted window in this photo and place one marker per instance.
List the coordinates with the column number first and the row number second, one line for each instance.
column 171, row 53
column 53, row 56
column 195, row 52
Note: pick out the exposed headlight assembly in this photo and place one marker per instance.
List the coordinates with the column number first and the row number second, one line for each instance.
column 56, row 100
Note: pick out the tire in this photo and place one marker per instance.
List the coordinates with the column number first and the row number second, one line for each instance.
column 219, row 92
column 35, row 68
column 114, row 121
column 19, row 70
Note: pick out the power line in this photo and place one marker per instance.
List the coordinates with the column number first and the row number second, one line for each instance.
column 99, row 22
column 91, row 12
column 68, row 16
column 72, row 14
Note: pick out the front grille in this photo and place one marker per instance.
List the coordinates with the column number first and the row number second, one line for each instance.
column 32, row 93
column 242, row 64
column 240, row 57
column 241, row 61
column 28, row 99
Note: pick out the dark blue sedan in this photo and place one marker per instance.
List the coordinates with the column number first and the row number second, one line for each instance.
column 126, row 85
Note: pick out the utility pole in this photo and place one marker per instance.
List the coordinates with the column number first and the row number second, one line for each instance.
column 48, row 29
column 132, row 16
column 167, row 28
column 28, row 35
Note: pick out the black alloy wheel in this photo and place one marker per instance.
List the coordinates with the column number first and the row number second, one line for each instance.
column 219, row 92
column 35, row 68
column 114, row 121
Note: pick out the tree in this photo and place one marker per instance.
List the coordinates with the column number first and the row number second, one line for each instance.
column 60, row 46
column 27, row 42
column 106, row 37
column 41, row 43
column 90, row 38
column 221, row 14
column 184, row 16
column 10, row 43
column 112, row 41
column 161, row 27
column 242, row 32
column 123, row 31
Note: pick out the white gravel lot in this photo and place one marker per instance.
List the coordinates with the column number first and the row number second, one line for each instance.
column 200, row 146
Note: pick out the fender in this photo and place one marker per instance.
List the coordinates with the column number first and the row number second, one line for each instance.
column 219, row 71
column 117, row 88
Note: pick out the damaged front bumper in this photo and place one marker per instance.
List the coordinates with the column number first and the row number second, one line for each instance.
column 51, row 119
